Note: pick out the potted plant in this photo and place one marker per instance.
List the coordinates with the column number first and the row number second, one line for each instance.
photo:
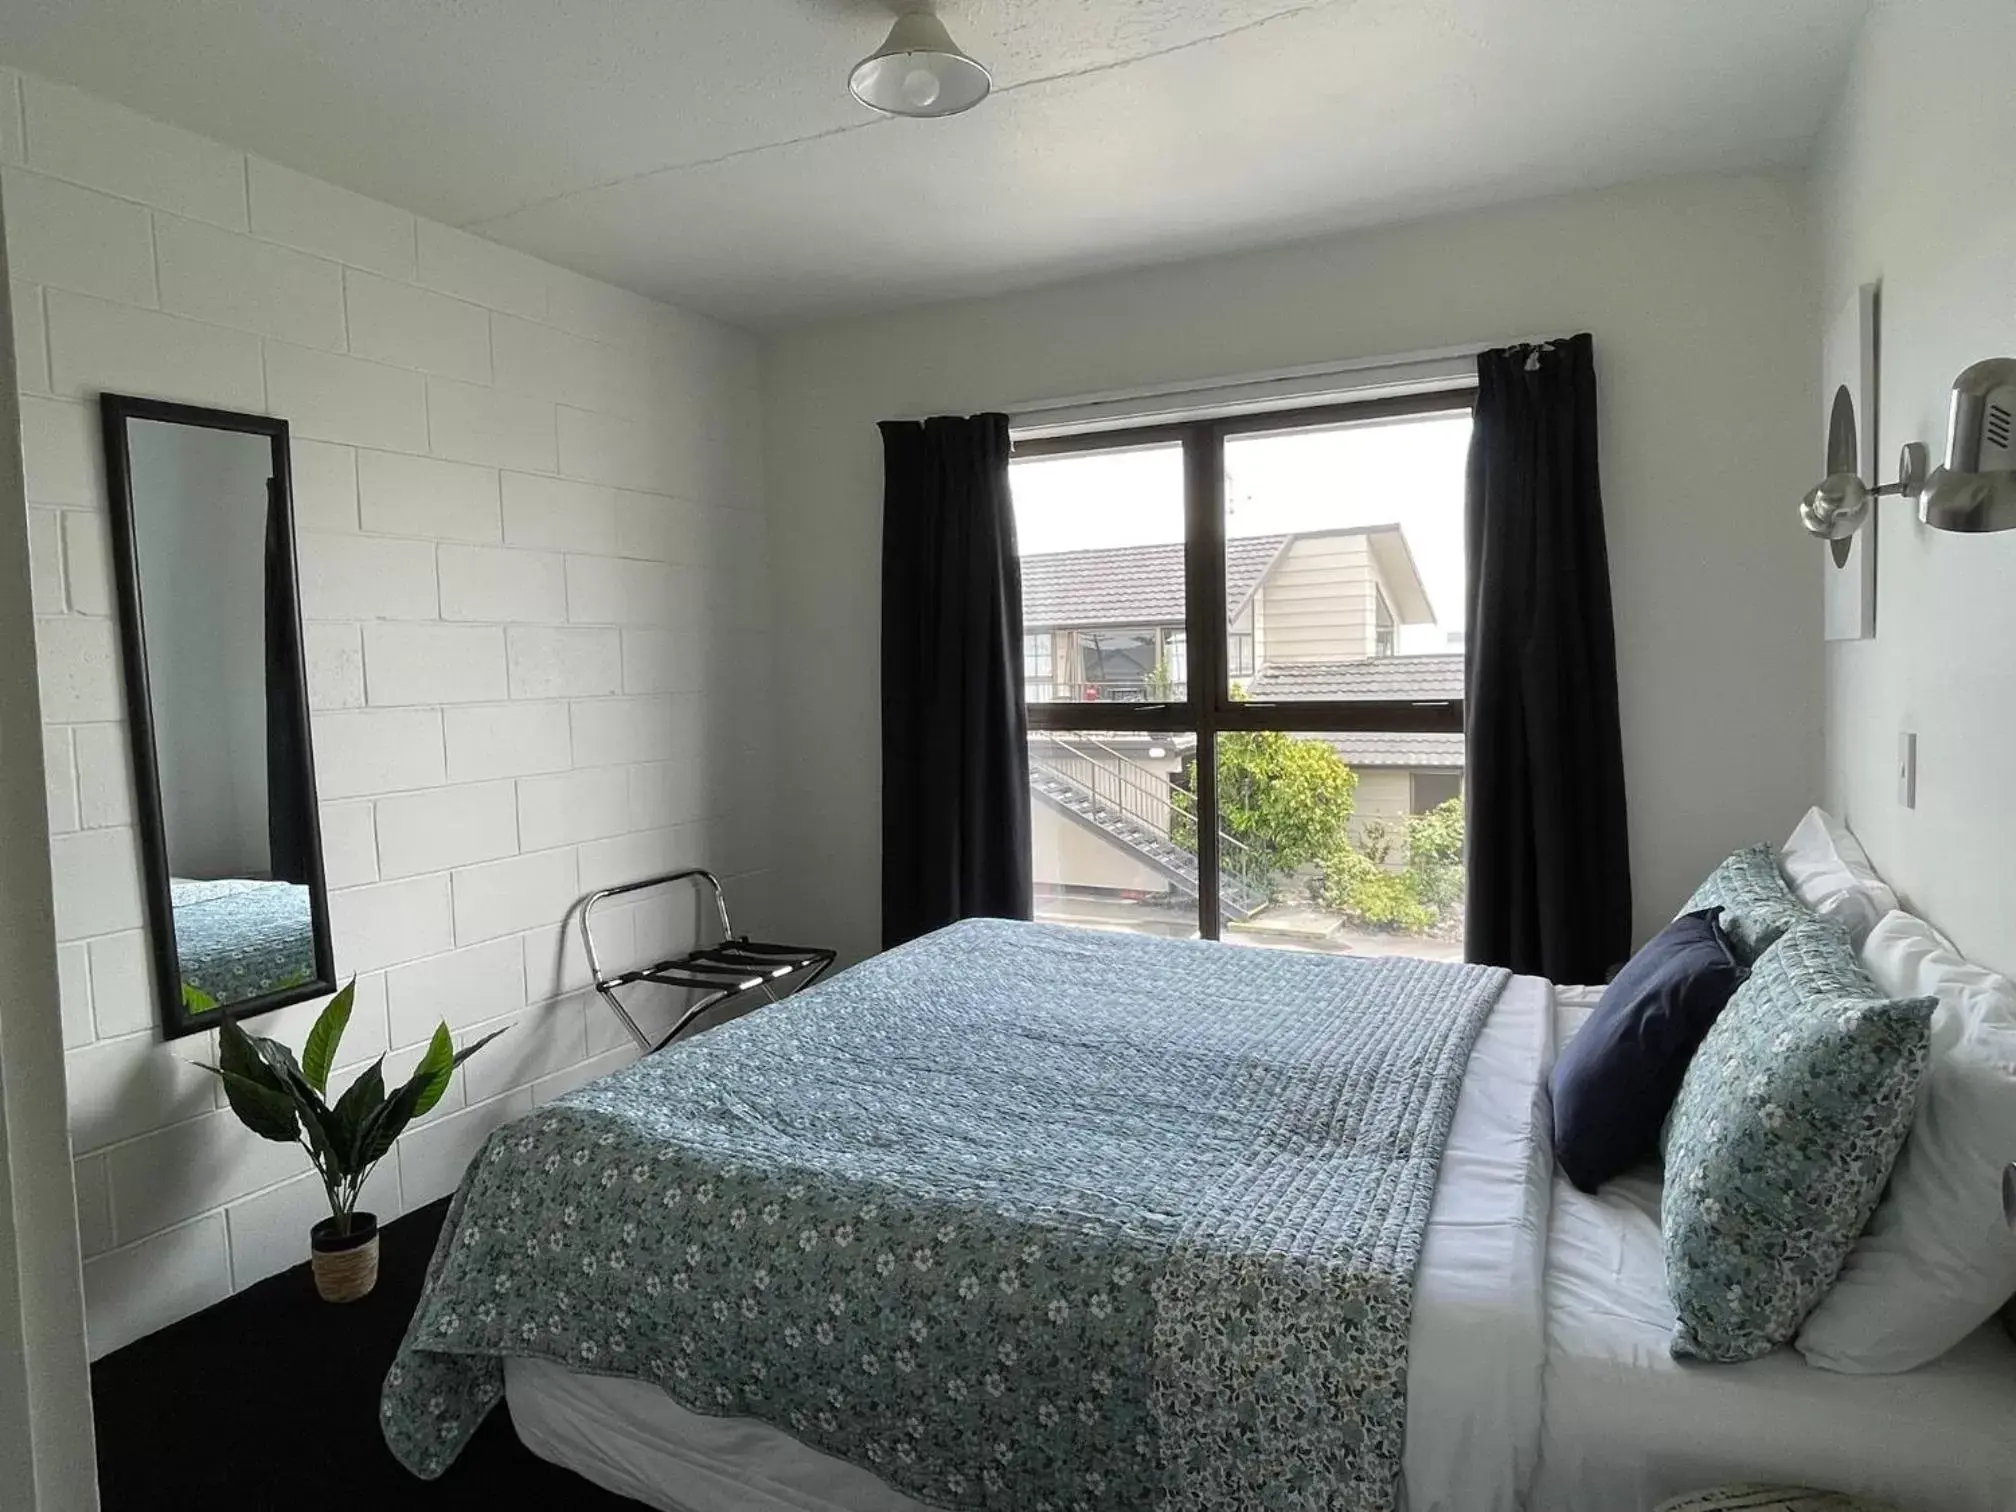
column 282, row 1099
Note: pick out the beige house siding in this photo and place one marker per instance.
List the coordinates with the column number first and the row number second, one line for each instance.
column 1316, row 604
column 1066, row 854
column 1383, row 795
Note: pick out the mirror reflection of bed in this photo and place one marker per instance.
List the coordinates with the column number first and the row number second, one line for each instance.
column 240, row 938
column 221, row 709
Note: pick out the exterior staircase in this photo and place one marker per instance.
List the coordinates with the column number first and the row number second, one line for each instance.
column 1128, row 804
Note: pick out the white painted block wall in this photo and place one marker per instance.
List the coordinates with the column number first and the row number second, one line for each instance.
column 1925, row 200
column 535, row 574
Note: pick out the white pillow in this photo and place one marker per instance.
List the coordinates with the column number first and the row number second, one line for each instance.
column 1936, row 1261
column 1829, row 872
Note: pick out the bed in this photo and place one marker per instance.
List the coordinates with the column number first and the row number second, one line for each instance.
column 239, row 938
column 1626, row 1425
column 1535, row 1367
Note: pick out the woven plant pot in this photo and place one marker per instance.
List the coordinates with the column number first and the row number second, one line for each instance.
column 345, row 1265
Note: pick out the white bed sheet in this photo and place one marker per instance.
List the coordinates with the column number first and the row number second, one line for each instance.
column 1626, row 1425
column 1475, row 1352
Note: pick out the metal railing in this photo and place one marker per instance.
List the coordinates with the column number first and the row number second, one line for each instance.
column 1136, row 690
column 1117, row 785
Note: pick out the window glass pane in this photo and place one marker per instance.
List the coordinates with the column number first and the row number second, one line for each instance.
column 1118, row 666
column 1108, row 842
column 1101, row 538
column 1344, row 573
column 1038, row 664
column 1345, row 843
column 1240, row 653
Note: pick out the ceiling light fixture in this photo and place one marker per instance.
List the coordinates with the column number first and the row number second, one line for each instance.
column 919, row 71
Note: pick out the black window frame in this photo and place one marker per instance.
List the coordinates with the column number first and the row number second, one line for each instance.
column 1207, row 708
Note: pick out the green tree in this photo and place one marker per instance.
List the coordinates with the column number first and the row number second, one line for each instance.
column 1287, row 799
column 1159, row 684
column 1435, row 854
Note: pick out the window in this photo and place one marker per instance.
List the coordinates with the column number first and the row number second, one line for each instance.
column 1116, row 665
column 1037, row 666
column 1239, row 653
column 1433, row 789
column 1279, row 760
column 1173, row 679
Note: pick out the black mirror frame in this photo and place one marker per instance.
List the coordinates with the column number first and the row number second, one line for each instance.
column 176, row 1020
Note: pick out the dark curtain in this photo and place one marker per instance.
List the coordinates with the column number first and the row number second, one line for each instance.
column 287, row 808
column 1550, row 872
column 955, row 736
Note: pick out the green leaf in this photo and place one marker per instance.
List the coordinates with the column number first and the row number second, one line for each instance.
column 382, row 1131
column 196, row 1000
column 257, row 1093
column 468, row 1050
column 434, row 1070
column 238, row 1054
column 265, row 1110
column 316, row 1120
column 319, row 1054
column 355, row 1110
column 439, row 1084
column 278, row 1063
column 422, row 1091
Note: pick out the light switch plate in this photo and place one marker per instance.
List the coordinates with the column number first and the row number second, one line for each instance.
column 1907, row 769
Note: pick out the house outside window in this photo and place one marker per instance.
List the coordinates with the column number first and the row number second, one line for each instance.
column 1282, row 758
column 1115, row 665
column 1175, row 665
column 1038, row 667
column 1239, row 648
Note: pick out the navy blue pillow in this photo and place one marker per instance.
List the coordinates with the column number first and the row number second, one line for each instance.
column 1616, row 1080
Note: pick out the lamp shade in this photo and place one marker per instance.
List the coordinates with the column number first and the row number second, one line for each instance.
column 919, row 71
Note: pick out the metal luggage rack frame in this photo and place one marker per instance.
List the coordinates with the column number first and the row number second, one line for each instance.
column 719, row 972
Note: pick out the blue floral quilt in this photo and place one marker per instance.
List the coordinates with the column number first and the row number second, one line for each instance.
column 240, row 938
column 1014, row 1216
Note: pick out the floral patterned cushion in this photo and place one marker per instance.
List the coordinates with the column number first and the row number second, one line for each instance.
column 1786, row 1127
column 1757, row 907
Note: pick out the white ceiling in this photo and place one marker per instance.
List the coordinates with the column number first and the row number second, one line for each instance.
column 707, row 151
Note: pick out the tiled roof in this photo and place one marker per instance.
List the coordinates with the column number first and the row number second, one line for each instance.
column 1131, row 585
column 1396, row 679
column 1443, row 752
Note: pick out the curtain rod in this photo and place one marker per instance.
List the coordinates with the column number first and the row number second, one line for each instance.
column 1428, row 371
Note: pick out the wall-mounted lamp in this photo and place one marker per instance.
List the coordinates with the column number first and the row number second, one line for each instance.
column 1974, row 493
column 1835, row 508
column 1976, row 490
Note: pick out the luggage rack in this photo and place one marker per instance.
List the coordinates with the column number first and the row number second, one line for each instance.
column 719, row 972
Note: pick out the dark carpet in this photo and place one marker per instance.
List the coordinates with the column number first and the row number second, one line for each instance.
column 270, row 1399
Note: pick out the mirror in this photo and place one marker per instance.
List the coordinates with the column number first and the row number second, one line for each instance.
column 231, row 849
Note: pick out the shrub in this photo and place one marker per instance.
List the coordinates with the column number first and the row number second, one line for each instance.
column 1435, row 854
column 1360, row 888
